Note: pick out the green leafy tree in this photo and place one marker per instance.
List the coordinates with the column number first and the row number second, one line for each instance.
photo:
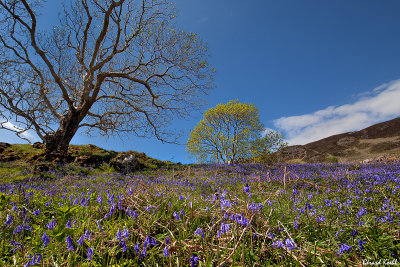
column 226, row 133
column 264, row 148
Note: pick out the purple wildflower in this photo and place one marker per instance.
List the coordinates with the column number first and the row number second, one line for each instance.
column 137, row 248
column 52, row 224
column 271, row 235
column 144, row 253
column 218, row 234
column 70, row 244
column 290, row 244
column 176, row 215
column 98, row 224
column 125, row 233
column 278, row 244
column 16, row 244
column 87, row 235
column 320, row 218
column 69, row 224
column 80, row 240
column 354, row 233
column 199, row 232
column 123, row 245
column 165, row 251
column 344, row 248
column 9, row 220
column 247, row 188
column 360, row 244
column 194, row 259
column 89, row 253
column 119, row 235
column 45, row 239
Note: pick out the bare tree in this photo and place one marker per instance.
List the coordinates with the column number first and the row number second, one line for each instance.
column 114, row 66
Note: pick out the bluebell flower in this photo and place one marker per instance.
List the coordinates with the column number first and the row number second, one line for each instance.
column 194, row 259
column 344, row 248
column 247, row 188
column 361, row 212
column 19, row 228
column 9, row 220
column 119, row 235
column 144, row 253
column 295, row 224
column 338, row 232
column 176, row 215
column 137, row 248
column 69, row 224
column 70, row 244
column 271, row 235
column 354, row 232
column 290, row 244
column 99, row 199
column 87, row 235
column 320, row 218
column 98, row 224
column 147, row 241
column 123, row 245
column 36, row 212
column 16, row 244
column 125, row 233
column 80, row 240
column 199, row 232
column 360, row 244
column 225, row 227
column 167, row 240
column 45, row 239
column 90, row 253
column 34, row 260
column 278, row 244
column 48, row 203
column 165, row 251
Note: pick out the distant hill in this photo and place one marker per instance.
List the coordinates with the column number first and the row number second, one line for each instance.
column 377, row 142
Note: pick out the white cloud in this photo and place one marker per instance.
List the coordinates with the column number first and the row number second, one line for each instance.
column 380, row 104
column 9, row 137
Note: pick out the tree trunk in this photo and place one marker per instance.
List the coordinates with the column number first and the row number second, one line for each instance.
column 57, row 144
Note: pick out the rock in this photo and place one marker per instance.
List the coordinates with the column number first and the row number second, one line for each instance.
column 125, row 162
column 346, row 141
column 9, row 157
column 4, row 146
column 42, row 167
column 86, row 160
column 38, row 145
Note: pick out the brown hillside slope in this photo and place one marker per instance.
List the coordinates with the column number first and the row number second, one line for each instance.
column 369, row 143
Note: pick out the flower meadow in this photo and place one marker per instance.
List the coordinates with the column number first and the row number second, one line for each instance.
column 209, row 215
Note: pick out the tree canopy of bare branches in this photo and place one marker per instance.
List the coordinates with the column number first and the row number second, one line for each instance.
column 112, row 66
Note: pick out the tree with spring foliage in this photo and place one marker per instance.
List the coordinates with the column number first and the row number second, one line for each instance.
column 111, row 66
column 264, row 149
column 226, row 133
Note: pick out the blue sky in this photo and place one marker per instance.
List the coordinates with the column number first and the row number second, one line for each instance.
column 313, row 68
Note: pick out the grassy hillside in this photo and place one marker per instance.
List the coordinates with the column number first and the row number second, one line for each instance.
column 78, row 155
